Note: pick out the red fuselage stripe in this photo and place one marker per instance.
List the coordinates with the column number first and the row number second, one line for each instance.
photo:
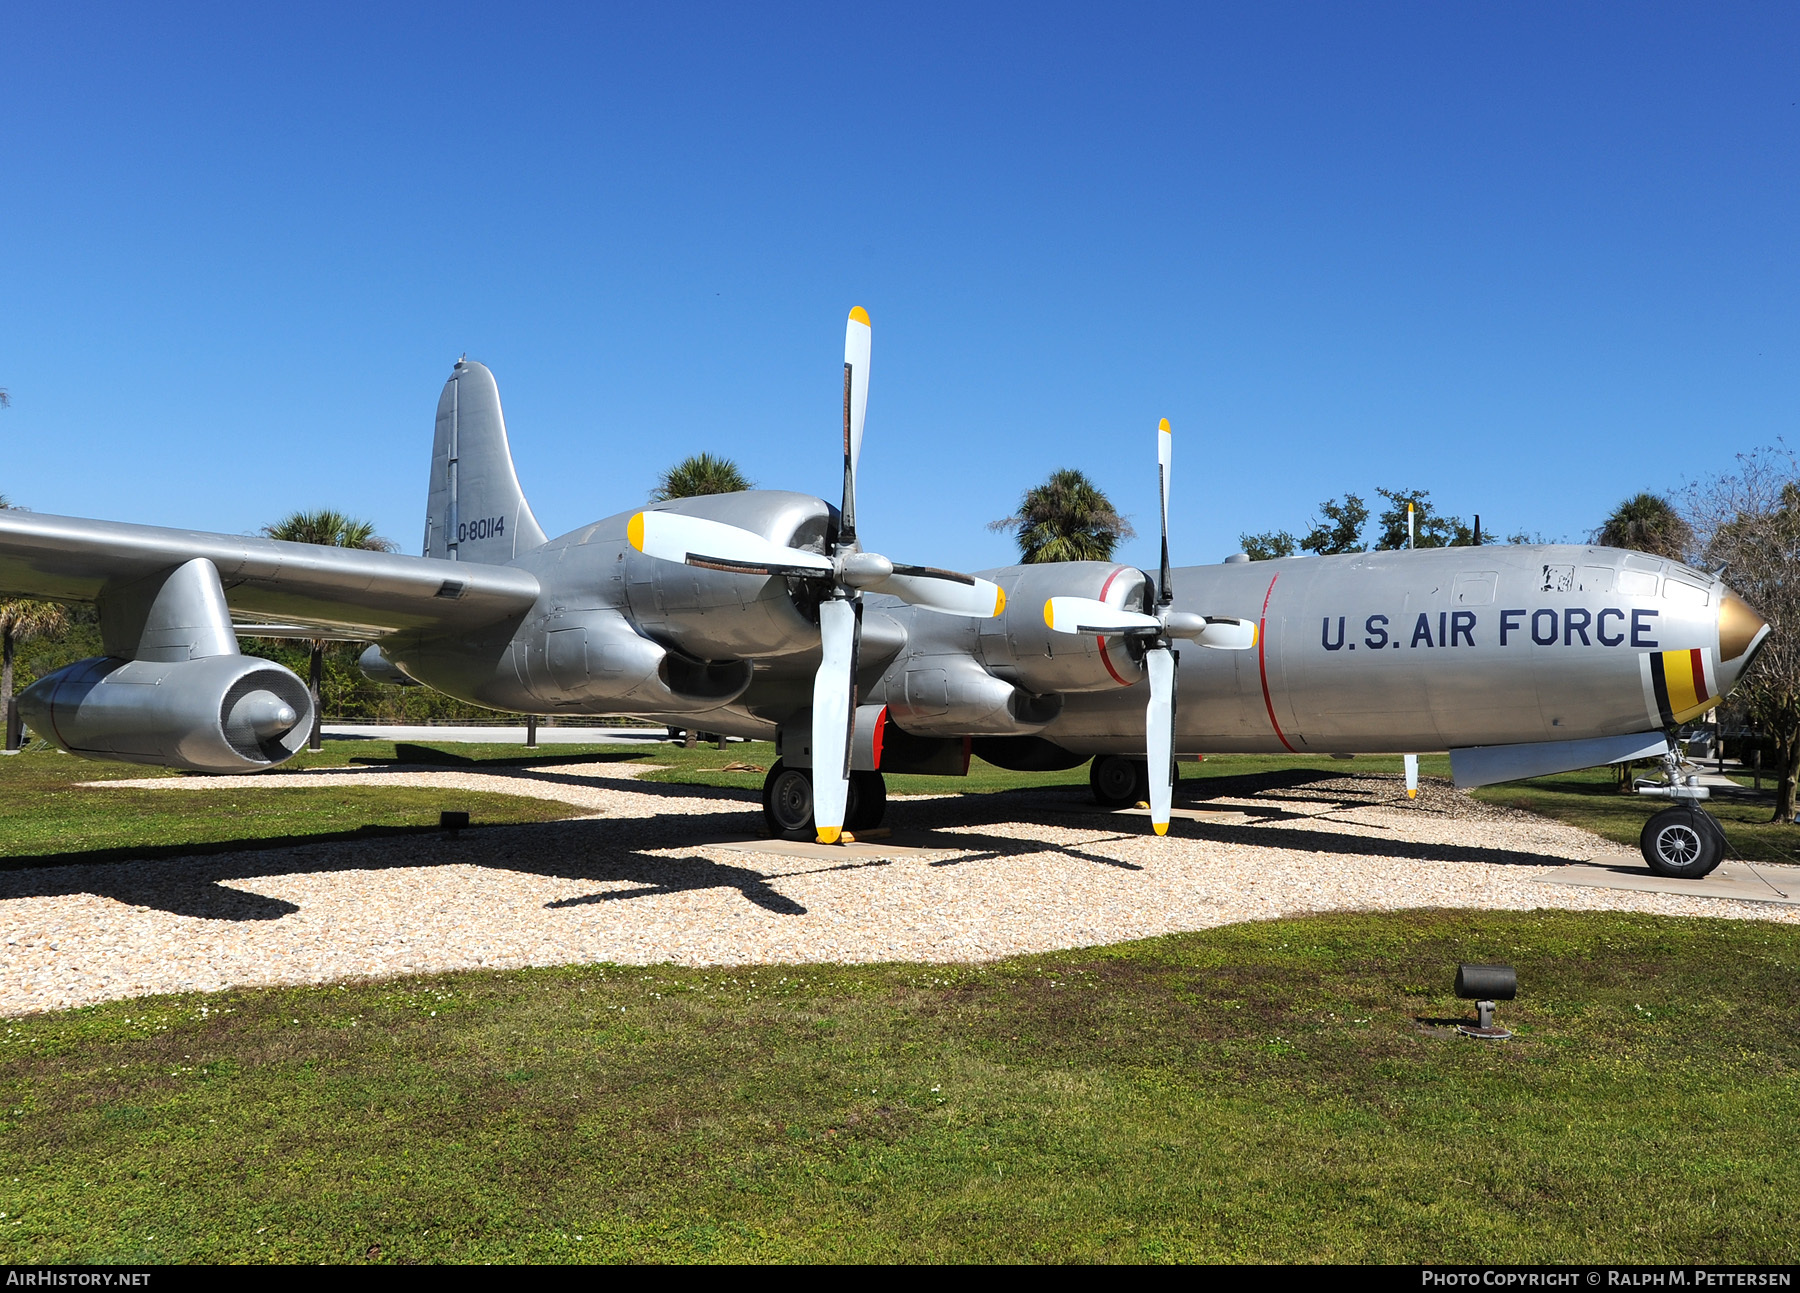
column 1262, row 666
column 1104, row 658
column 1702, row 693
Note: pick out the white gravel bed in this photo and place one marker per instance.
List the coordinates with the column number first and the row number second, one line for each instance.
column 626, row 882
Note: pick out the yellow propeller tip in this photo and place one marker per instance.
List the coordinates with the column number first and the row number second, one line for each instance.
column 1161, row 828
column 1163, row 425
column 999, row 601
column 1413, row 793
column 1049, row 617
column 634, row 532
column 859, row 315
column 829, row 834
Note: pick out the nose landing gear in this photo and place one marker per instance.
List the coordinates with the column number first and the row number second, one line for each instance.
column 1682, row 841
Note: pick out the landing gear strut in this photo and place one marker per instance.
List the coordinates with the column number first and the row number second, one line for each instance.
column 788, row 802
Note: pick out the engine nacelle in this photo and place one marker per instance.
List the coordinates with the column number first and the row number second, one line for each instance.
column 1021, row 648
column 951, row 695
column 597, row 660
column 224, row 713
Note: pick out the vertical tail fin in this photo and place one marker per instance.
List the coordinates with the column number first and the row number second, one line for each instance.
column 475, row 510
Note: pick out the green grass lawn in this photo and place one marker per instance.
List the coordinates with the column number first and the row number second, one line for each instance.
column 1263, row 1092
column 48, row 817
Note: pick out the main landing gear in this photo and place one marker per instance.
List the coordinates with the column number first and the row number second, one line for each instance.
column 1119, row 781
column 788, row 802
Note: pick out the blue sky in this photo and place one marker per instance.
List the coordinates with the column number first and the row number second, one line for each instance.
column 1532, row 258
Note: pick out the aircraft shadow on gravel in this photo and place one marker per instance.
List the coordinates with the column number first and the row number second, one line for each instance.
column 196, row 880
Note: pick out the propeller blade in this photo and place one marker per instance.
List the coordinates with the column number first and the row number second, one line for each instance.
column 944, row 591
column 1085, row 615
column 857, row 335
column 1222, row 633
column 713, row 545
column 1159, row 734
column 1165, row 459
column 1412, row 776
column 834, row 709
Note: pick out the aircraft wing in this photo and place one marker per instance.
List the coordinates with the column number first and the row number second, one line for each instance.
column 285, row 587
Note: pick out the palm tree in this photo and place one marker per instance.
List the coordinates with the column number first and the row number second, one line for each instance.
column 22, row 619
column 700, row 474
column 1648, row 523
column 331, row 529
column 1066, row 518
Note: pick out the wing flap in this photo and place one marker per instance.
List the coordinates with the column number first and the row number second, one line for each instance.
column 371, row 594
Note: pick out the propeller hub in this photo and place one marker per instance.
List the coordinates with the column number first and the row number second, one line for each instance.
column 863, row 569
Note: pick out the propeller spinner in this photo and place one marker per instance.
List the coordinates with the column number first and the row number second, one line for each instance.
column 844, row 576
column 1157, row 633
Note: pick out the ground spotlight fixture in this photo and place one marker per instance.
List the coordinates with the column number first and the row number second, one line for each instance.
column 1484, row 985
column 454, row 822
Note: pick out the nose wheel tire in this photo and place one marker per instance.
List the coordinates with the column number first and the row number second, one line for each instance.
column 788, row 802
column 1682, row 843
column 1119, row 782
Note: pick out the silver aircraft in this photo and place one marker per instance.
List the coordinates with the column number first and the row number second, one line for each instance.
column 761, row 614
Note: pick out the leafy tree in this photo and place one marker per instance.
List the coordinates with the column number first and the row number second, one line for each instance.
column 1066, row 518
column 1648, row 523
column 1430, row 530
column 1749, row 521
column 331, row 529
column 21, row 620
column 1266, row 547
column 1341, row 530
column 700, row 474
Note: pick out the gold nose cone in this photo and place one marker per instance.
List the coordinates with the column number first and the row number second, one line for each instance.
column 1738, row 626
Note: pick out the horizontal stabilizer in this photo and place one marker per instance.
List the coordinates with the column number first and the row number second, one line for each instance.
column 1485, row 765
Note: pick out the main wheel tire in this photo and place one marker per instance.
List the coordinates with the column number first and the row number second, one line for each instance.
column 1118, row 781
column 1682, row 843
column 788, row 802
column 868, row 801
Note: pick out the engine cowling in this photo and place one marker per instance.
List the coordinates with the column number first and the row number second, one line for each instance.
column 1021, row 648
column 226, row 713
